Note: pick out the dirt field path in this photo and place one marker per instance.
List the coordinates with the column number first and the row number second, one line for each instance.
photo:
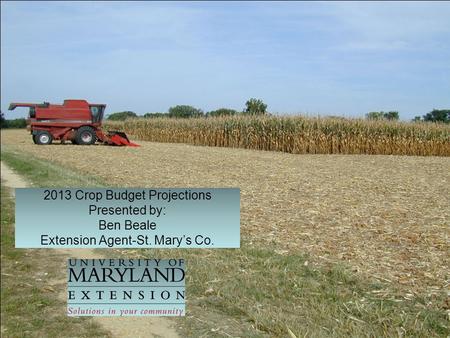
column 133, row 327
column 12, row 180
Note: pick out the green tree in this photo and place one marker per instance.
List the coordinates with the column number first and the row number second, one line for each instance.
column 381, row 115
column 222, row 112
column 14, row 124
column 184, row 111
column 375, row 115
column 255, row 107
column 417, row 119
column 18, row 123
column 392, row 115
column 2, row 120
column 438, row 115
column 121, row 116
column 155, row 115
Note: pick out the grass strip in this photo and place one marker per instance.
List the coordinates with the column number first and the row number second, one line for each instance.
column 41, row 173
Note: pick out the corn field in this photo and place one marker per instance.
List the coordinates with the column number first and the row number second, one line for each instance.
column 297, row 135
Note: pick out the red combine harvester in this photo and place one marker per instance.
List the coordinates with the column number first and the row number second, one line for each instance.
column 75, row 120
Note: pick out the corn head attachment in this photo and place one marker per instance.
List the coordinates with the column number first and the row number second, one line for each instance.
column 116, row 138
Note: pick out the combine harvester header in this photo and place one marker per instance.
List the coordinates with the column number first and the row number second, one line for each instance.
column 75, row 120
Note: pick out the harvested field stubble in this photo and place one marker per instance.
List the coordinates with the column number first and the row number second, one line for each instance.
column 298, row 135
column 385, row 216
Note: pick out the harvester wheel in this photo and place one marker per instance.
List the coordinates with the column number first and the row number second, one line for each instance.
column 85, row 135
column 34, row 139
column 43, row 137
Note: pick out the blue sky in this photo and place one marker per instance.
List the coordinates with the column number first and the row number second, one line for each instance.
column 328, row 58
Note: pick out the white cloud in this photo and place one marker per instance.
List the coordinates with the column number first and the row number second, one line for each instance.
column 393, row 25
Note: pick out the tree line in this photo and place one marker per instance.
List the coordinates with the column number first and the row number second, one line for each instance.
column 436, row 115
column 258, row 107
column 14, row 123
column 252, row 107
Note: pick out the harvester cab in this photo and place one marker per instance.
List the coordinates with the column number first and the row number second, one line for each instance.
column 75, row 120
column 97, row 111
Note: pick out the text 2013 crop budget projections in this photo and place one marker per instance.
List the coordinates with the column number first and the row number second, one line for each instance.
column 126, row 195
